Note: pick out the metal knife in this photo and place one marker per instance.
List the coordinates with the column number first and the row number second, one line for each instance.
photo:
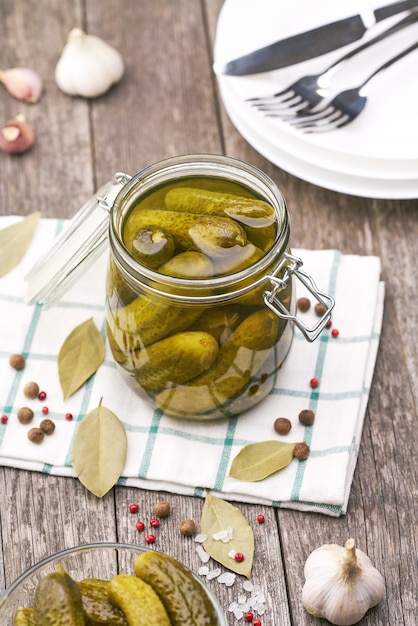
column 311, row 43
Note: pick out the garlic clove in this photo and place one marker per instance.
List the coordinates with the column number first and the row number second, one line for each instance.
column 22, row 83
column 88, row 66
column 17, row 136
column 341, row 584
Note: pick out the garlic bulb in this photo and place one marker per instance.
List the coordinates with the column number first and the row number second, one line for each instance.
column 341, row 584
column 22, row 83
column 88, row 66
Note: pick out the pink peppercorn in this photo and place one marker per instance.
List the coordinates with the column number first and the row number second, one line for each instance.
column 4, row 419
column 69, row 417
column 260, row 518
column 239, row 557
column 328, row 324
column 249, row 616
column 154, row 522
column 314, row 382
column 134, row 508
column 45, row 410
column 335, row 332
column 42, row 395
column 257, row 622
column 140, row 526
column 150, row 538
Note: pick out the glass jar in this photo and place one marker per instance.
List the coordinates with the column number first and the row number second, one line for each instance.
column 200, row 326
column 200, row 298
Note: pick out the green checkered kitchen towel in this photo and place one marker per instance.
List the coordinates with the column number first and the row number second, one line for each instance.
column 188, row 457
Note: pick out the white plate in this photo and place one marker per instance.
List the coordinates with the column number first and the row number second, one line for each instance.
column 336, row 181
column 381, row 144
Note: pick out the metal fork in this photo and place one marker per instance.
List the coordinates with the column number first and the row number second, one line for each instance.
column 344, row 107
column 308, row 91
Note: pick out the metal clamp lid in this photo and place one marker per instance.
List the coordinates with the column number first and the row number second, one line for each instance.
column 76, row 249
column 292, row 266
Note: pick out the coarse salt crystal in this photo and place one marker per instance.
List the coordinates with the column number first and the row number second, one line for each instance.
column 203, row 570
column 242, row 598
column 214, row 573
column 238, row 613
column 200, row 538
column 260, row 608
column 232, row 554
column 260, row 597
column 233, row 606
column 247, row 585
column 227, row 578
column 224, row 535
column 203, row 555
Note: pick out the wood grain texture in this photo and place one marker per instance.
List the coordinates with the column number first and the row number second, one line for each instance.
column 167, row 104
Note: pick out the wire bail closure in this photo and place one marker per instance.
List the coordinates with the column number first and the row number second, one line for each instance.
column 293, row 265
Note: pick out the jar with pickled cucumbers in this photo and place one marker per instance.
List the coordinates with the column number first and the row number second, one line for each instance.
column 200, row 302
column 200, row 289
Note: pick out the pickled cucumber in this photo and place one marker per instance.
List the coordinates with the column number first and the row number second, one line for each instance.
column 193, row 200
column 146, row 320
column 257, row 332
column 24, row 617
column 188, row 264
column 243, row 257
column 185, row 600
column 211, row 230
column 174, row 360
column 219, row 322
column 256, row 216
column 152, row 246
column 97, row 607
column 118, row 289
column 57, row 601
column 138, row 601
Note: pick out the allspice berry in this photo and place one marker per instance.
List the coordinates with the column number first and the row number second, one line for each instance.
column 306, row 417
column 282, row 426
column 319, row 309
column 17, row 361
column 47, row 426
column 187, row 527
column 162, row 508
column 25, row 415
column 301, row 451
column 303, row 304
column 36, row 435
column 31, row 390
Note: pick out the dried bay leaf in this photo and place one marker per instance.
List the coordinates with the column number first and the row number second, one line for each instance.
column 80, row 356
column 15, row 240
column 259, row 460
column 99, row 450
column 217, row 516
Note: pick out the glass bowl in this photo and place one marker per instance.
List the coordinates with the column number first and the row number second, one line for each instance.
column 95, row 560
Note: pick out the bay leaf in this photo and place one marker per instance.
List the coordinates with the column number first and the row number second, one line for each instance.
column 259, row 460
column 99, row 450
column 15, row 240
column 217, row 516
column 80, row 356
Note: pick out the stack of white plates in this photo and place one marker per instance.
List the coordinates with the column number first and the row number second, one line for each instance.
column 376, row 155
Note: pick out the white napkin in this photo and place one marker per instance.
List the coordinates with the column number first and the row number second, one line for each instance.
column 188, row 457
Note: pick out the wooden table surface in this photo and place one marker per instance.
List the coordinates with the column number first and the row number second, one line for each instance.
column 168, row 104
